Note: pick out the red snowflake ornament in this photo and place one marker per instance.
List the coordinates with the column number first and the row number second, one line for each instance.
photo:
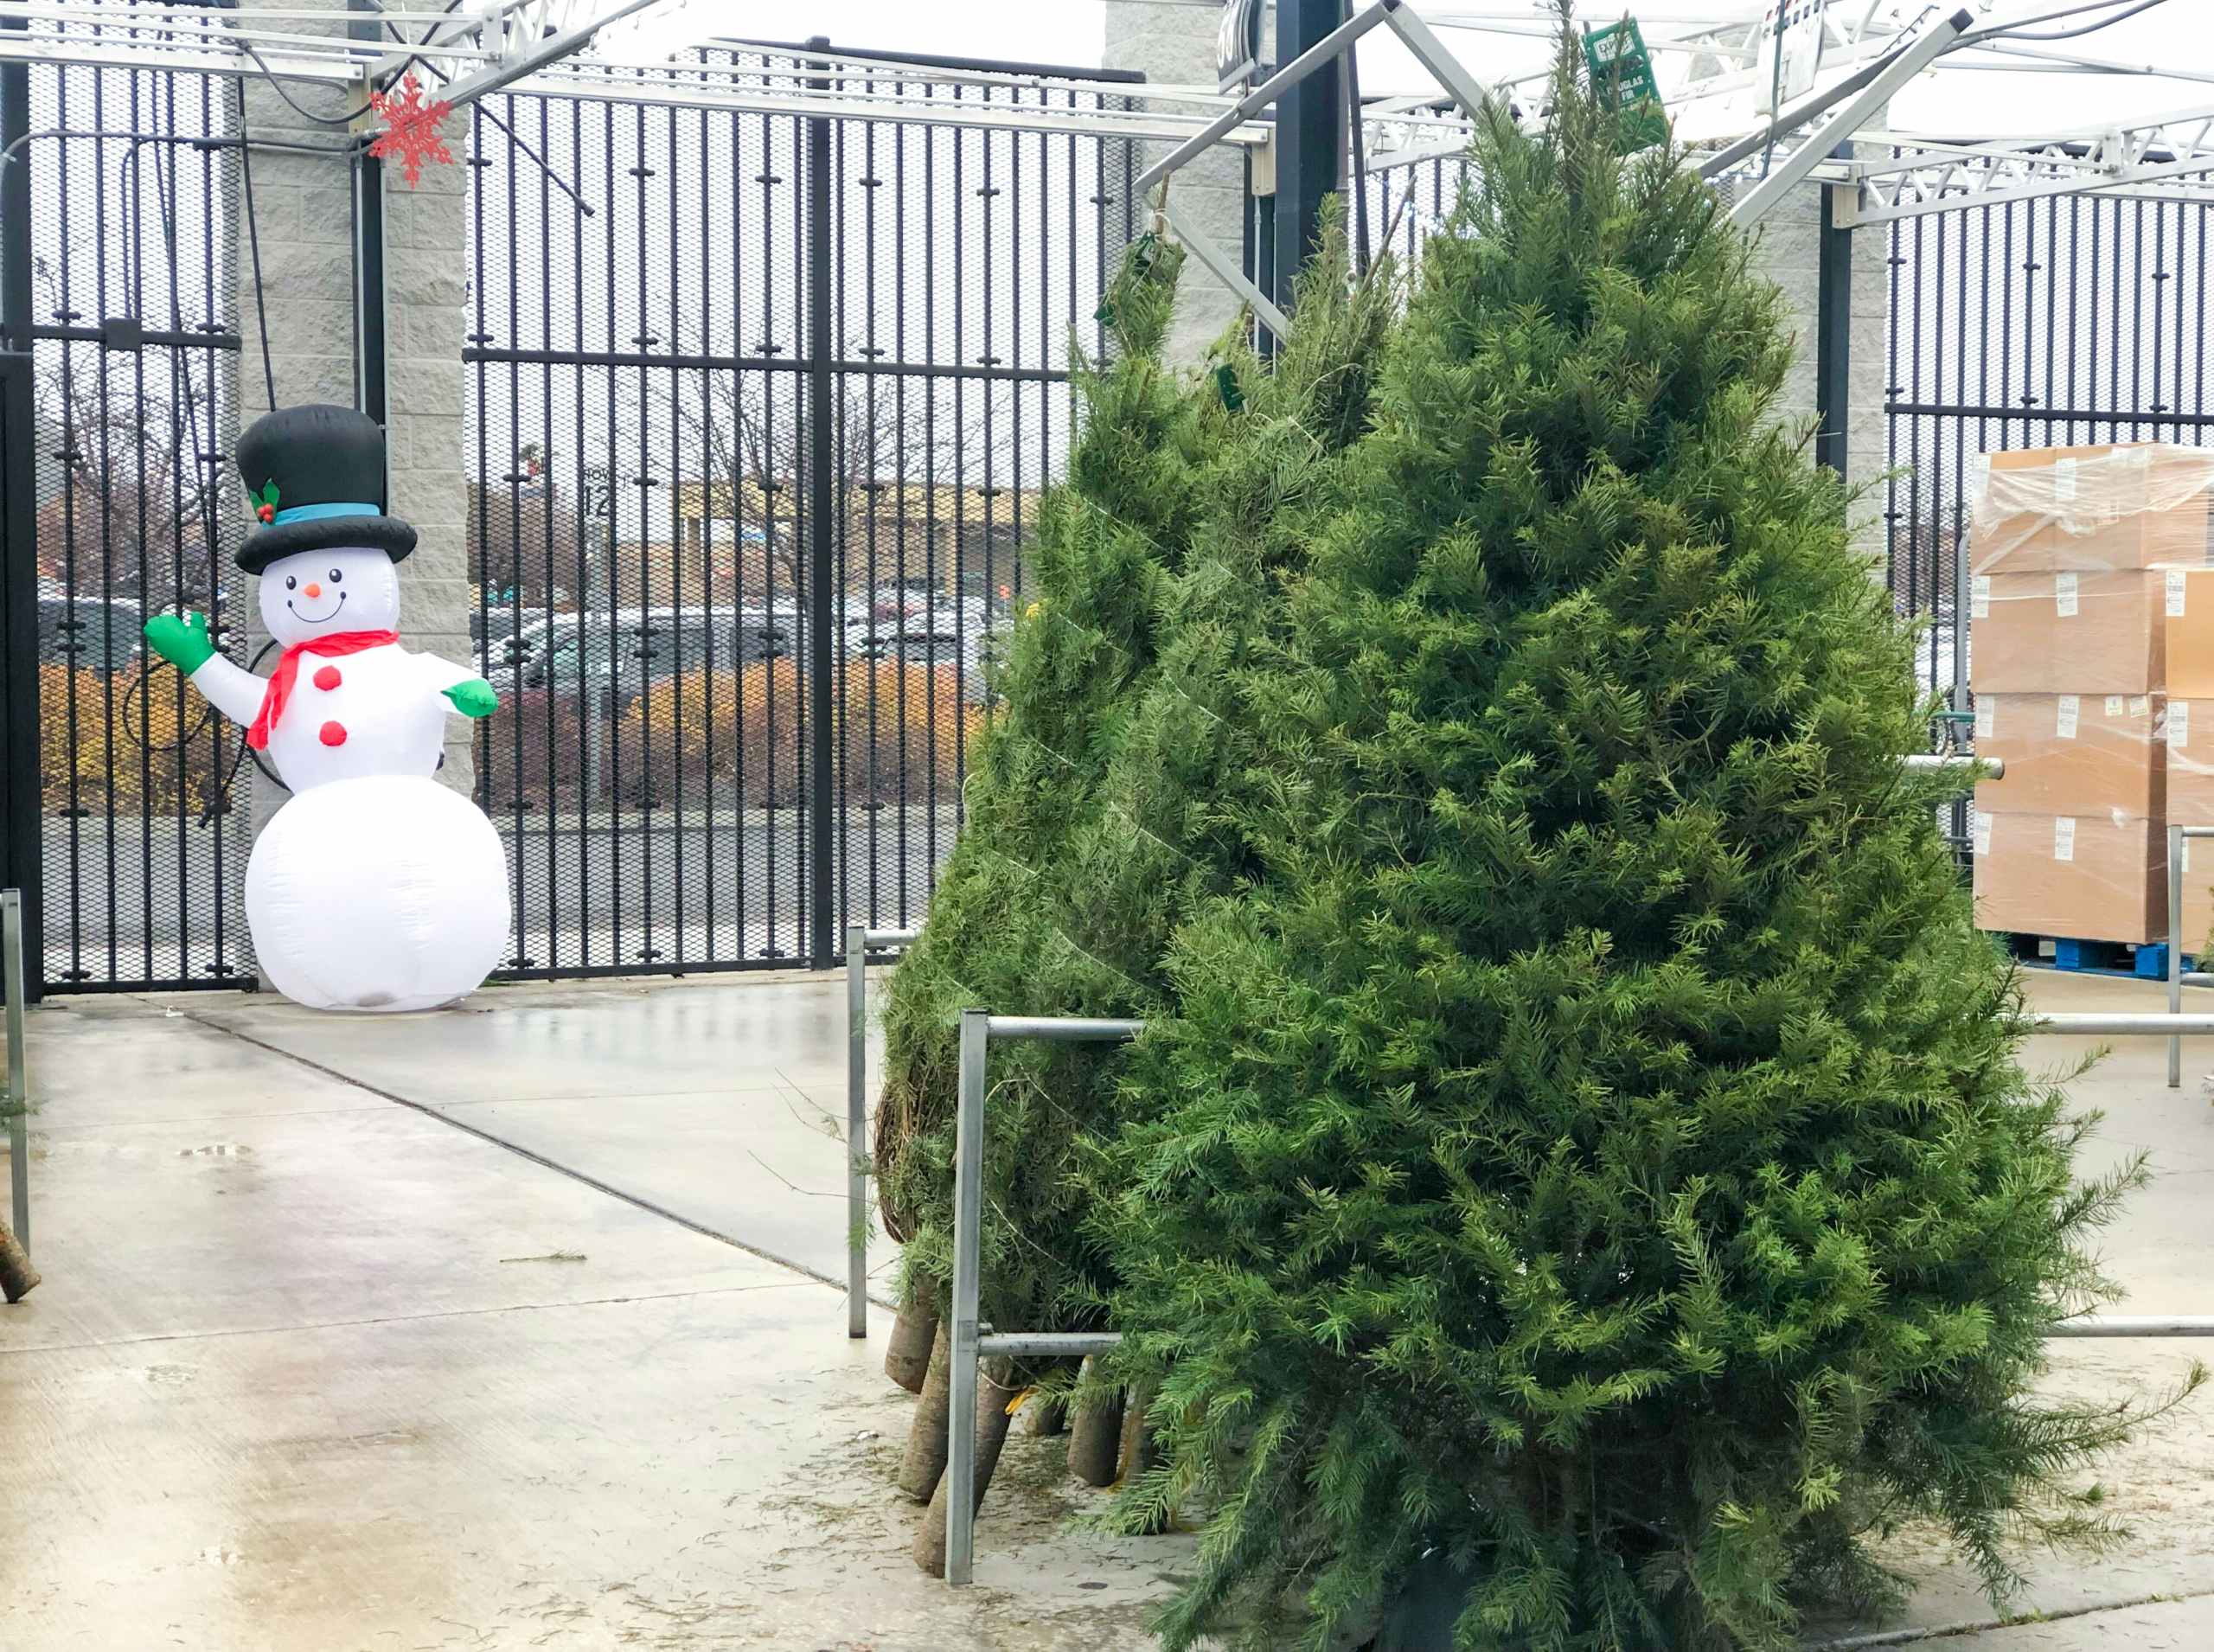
column 411, row 129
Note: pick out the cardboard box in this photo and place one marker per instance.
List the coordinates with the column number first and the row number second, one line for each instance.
column 2080, row 633
column 2076, row 754
column 2188, row 730
column 2082, row 877
column 2187, row 615
column 2093, row 509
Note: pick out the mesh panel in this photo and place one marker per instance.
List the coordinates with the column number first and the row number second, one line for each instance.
column 642, row 388
column 133, row 242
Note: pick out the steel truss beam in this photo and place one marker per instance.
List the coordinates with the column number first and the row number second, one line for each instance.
column 2168, row 157
column 1470, row 94
column 482, row 48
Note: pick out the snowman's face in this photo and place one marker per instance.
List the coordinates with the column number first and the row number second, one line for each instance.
column 319, row 593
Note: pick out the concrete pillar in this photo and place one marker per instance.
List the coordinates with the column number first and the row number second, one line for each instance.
column 303, row 216
column 1789, row 253
column 1174, row 42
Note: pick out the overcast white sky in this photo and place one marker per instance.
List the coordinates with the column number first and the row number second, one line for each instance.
column 2176, row 34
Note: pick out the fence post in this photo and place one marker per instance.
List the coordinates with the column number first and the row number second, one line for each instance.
column 19, row 1135
column 822, row 463
column 22, row 857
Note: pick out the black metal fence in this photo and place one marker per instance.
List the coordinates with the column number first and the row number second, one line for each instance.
column 760, row 410
column 118, row 298
column 2068, row 321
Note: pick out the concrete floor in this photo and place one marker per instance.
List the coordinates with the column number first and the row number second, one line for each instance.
column 314, row 1368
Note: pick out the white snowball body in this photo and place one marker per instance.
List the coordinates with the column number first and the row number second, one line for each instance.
column 384, row 893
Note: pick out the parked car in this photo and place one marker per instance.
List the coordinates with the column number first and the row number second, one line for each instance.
column 937, row 640
column 105, row 636
column 630, row 650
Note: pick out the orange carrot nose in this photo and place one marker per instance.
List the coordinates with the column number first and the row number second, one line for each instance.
column 311, row 590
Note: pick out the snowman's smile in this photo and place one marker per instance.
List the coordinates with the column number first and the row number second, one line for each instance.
column 315, row 619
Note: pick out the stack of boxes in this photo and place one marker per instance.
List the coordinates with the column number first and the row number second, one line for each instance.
column 2092, row 661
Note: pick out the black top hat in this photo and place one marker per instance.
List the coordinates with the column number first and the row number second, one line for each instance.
column 315, row 478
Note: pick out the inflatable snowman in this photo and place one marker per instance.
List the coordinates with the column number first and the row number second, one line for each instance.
column 374, row 887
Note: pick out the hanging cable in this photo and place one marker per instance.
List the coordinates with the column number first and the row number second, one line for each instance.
column 2080, row 29
column 253, row 243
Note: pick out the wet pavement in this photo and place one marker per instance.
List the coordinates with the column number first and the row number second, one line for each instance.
column 507, row 1326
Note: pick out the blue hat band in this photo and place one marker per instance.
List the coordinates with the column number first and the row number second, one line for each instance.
column 317, row 513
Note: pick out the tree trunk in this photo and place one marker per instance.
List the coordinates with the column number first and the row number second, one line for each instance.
column 17, row 1276
column 907, row 1356
column 1046, row 1415
column 1096, row 1440
column 995, row 1394
column 925, row 1464
column 1139, row 1453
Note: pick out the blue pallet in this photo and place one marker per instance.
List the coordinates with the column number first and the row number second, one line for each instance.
column 2153, row 961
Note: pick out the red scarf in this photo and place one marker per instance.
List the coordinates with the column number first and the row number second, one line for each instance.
column 280, row 680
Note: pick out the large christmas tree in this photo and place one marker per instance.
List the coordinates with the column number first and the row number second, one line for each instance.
column 1094, row 818
column 1580, row 1153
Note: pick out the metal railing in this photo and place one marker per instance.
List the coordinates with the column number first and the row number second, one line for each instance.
column 968, row 1342
column 860, row 938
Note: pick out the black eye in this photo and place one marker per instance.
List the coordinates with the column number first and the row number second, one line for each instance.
column 336, row 574
column 291, row 584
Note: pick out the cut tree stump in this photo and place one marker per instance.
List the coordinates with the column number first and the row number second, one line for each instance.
column 995, row 1394
column 1045, row 1416
column 907, row 1356
column 1138, row 1452
column 924, row 1465
column 17, row 1276
column 1096, row 1440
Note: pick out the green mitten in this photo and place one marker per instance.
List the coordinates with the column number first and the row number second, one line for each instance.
column 475, row 698
column 182, row 639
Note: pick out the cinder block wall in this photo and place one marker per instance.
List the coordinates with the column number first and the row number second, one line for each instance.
column 1173, row 43
column 303, row 217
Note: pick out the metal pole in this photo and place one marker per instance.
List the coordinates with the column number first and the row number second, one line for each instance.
column 21, row 861
column 1834, row 336
column 19, row 1135
column 961, row 1341
column 856, row 1129
column 1309, row 135
column 2175, row 950
column 821, row 451
column 369, row 317
column 2121, row 1025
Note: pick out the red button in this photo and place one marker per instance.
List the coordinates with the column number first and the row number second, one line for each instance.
column 327, row 679
column 333, row 733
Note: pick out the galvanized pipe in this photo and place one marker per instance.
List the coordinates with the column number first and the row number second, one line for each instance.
column 2123, row 1325
column 1932, row 762
column 2121, row 1025
column 967, row 1341
column 2175, row 950
column 1049, row 1345
column 19, row 1138
column 961, row 1336
column 1064, row 1029
column 856, row 1129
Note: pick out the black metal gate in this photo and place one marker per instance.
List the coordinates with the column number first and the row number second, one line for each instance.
column 760, row 407
column 2060, row 321
column 117, row 208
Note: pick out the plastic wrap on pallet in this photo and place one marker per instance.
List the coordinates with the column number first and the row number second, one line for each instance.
column 2094, row 509
column 2100, row 877
column 2187, row 734
column 2075, row 753
column 2048, row 632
